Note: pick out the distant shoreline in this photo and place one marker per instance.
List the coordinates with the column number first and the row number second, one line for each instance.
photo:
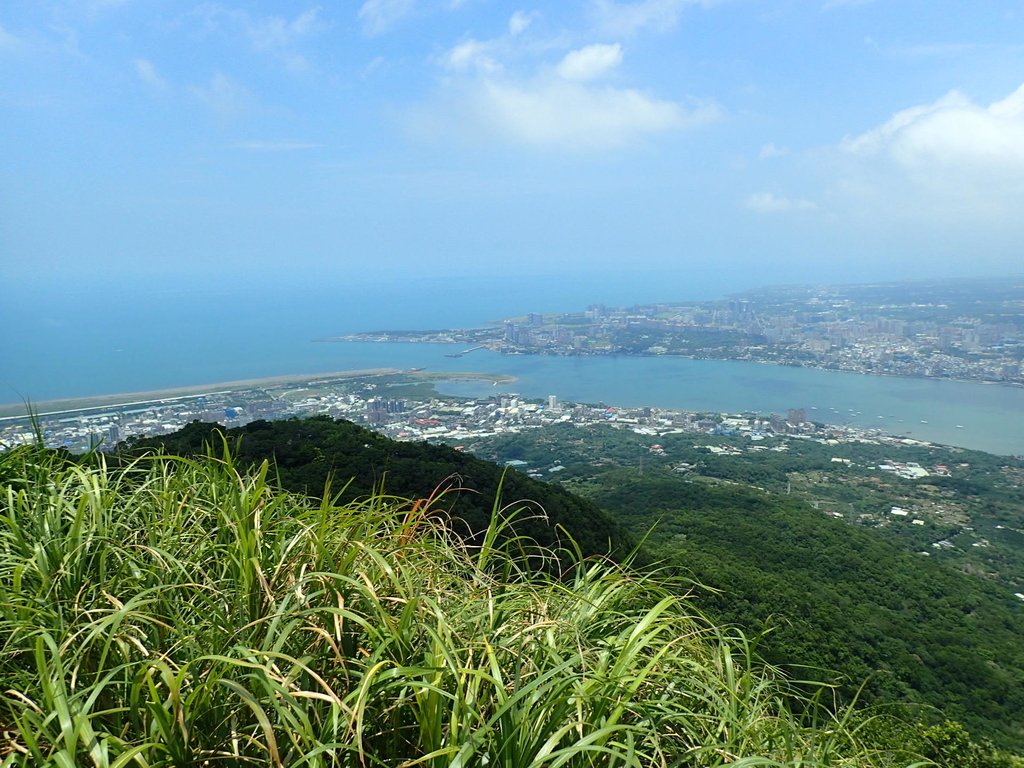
column 382, row 337
column 10, row 411
column 70, row 404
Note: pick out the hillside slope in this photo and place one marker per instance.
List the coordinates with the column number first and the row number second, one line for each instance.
column 835, row 595
column 180, row 612
column 306, row 453
column 838, row 599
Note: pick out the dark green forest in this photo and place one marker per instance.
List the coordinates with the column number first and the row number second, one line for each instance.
column 826, row 598
column 354, row 463
column 836, row 597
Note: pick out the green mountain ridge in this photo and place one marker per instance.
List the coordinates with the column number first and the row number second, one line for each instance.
column 836, row 598
column 308, row 454
column 167, row 611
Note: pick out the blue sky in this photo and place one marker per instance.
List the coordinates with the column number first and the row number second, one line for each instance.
column 288, row 142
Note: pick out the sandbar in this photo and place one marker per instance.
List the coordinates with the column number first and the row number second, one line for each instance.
column 154, row 396
column 48, row 407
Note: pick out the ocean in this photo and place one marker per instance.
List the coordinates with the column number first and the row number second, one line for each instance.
column 102, row 340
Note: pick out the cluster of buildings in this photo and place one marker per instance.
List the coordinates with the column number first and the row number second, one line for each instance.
column 366, row 400
column 378, row 402
column 824, row 329
column 104, row 426
column 964, row 348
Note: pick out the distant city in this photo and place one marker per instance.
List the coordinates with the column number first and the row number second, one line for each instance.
column 401, row 405
column 969, row 330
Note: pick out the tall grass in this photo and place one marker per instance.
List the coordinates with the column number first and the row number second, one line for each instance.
column 184, row 613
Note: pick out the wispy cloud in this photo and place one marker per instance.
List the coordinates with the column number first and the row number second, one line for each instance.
column 471, row 55
column 590, row 62
column 147, row 73
column 379, row 16
column 624, row 19
column 519, row 21
column 276, row 36
column 11, row 43
column 275, row 146
column 766, row 202
column 224, row 96
column 769, row 151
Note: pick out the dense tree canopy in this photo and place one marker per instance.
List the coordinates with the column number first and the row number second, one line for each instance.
column 353, row 463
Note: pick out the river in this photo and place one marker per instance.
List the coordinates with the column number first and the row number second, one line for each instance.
column 61, row 349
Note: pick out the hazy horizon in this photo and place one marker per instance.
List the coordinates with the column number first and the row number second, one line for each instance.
column 275, row 143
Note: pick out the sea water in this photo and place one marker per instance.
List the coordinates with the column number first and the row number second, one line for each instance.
column 109, row 340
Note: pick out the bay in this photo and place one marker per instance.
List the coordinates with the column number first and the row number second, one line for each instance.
column 967, row 414
column 81, row 343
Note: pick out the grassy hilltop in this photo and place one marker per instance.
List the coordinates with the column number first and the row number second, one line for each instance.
column 942, row 631
column 843, row 603
column 158, row 610
column 177, row 612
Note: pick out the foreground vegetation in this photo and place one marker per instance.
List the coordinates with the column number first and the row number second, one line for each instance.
column 178, row 612
column 828, row 600
column 307, row 453
column 899, row 626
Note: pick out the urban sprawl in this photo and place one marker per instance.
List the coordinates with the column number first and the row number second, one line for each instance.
column 934, row 330
column 367, row 400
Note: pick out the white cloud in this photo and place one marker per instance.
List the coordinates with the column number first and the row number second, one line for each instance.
column 553, row 113
column 949, row 165
column 629, row 18
column 519, row 21
column 560, row 104
column 380, row 15
column 471, row 55
column 224, row 96
column 766, row 202
column 275, row 146
column 10, row 43
column 274, row 34
column 769, row 151
column 951, row 133
column 147, row 73
column 590, row 62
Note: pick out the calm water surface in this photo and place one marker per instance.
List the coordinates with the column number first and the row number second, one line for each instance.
column 74, row 345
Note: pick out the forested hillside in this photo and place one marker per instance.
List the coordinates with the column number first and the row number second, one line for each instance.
column 358, row 463
column 833, row 595
column 838, row 600
column 185, row 612
column 836, row 597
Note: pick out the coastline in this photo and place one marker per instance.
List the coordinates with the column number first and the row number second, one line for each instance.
column 10, row 411
column 416, row 337
column 70, row 404
column 665, row 381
